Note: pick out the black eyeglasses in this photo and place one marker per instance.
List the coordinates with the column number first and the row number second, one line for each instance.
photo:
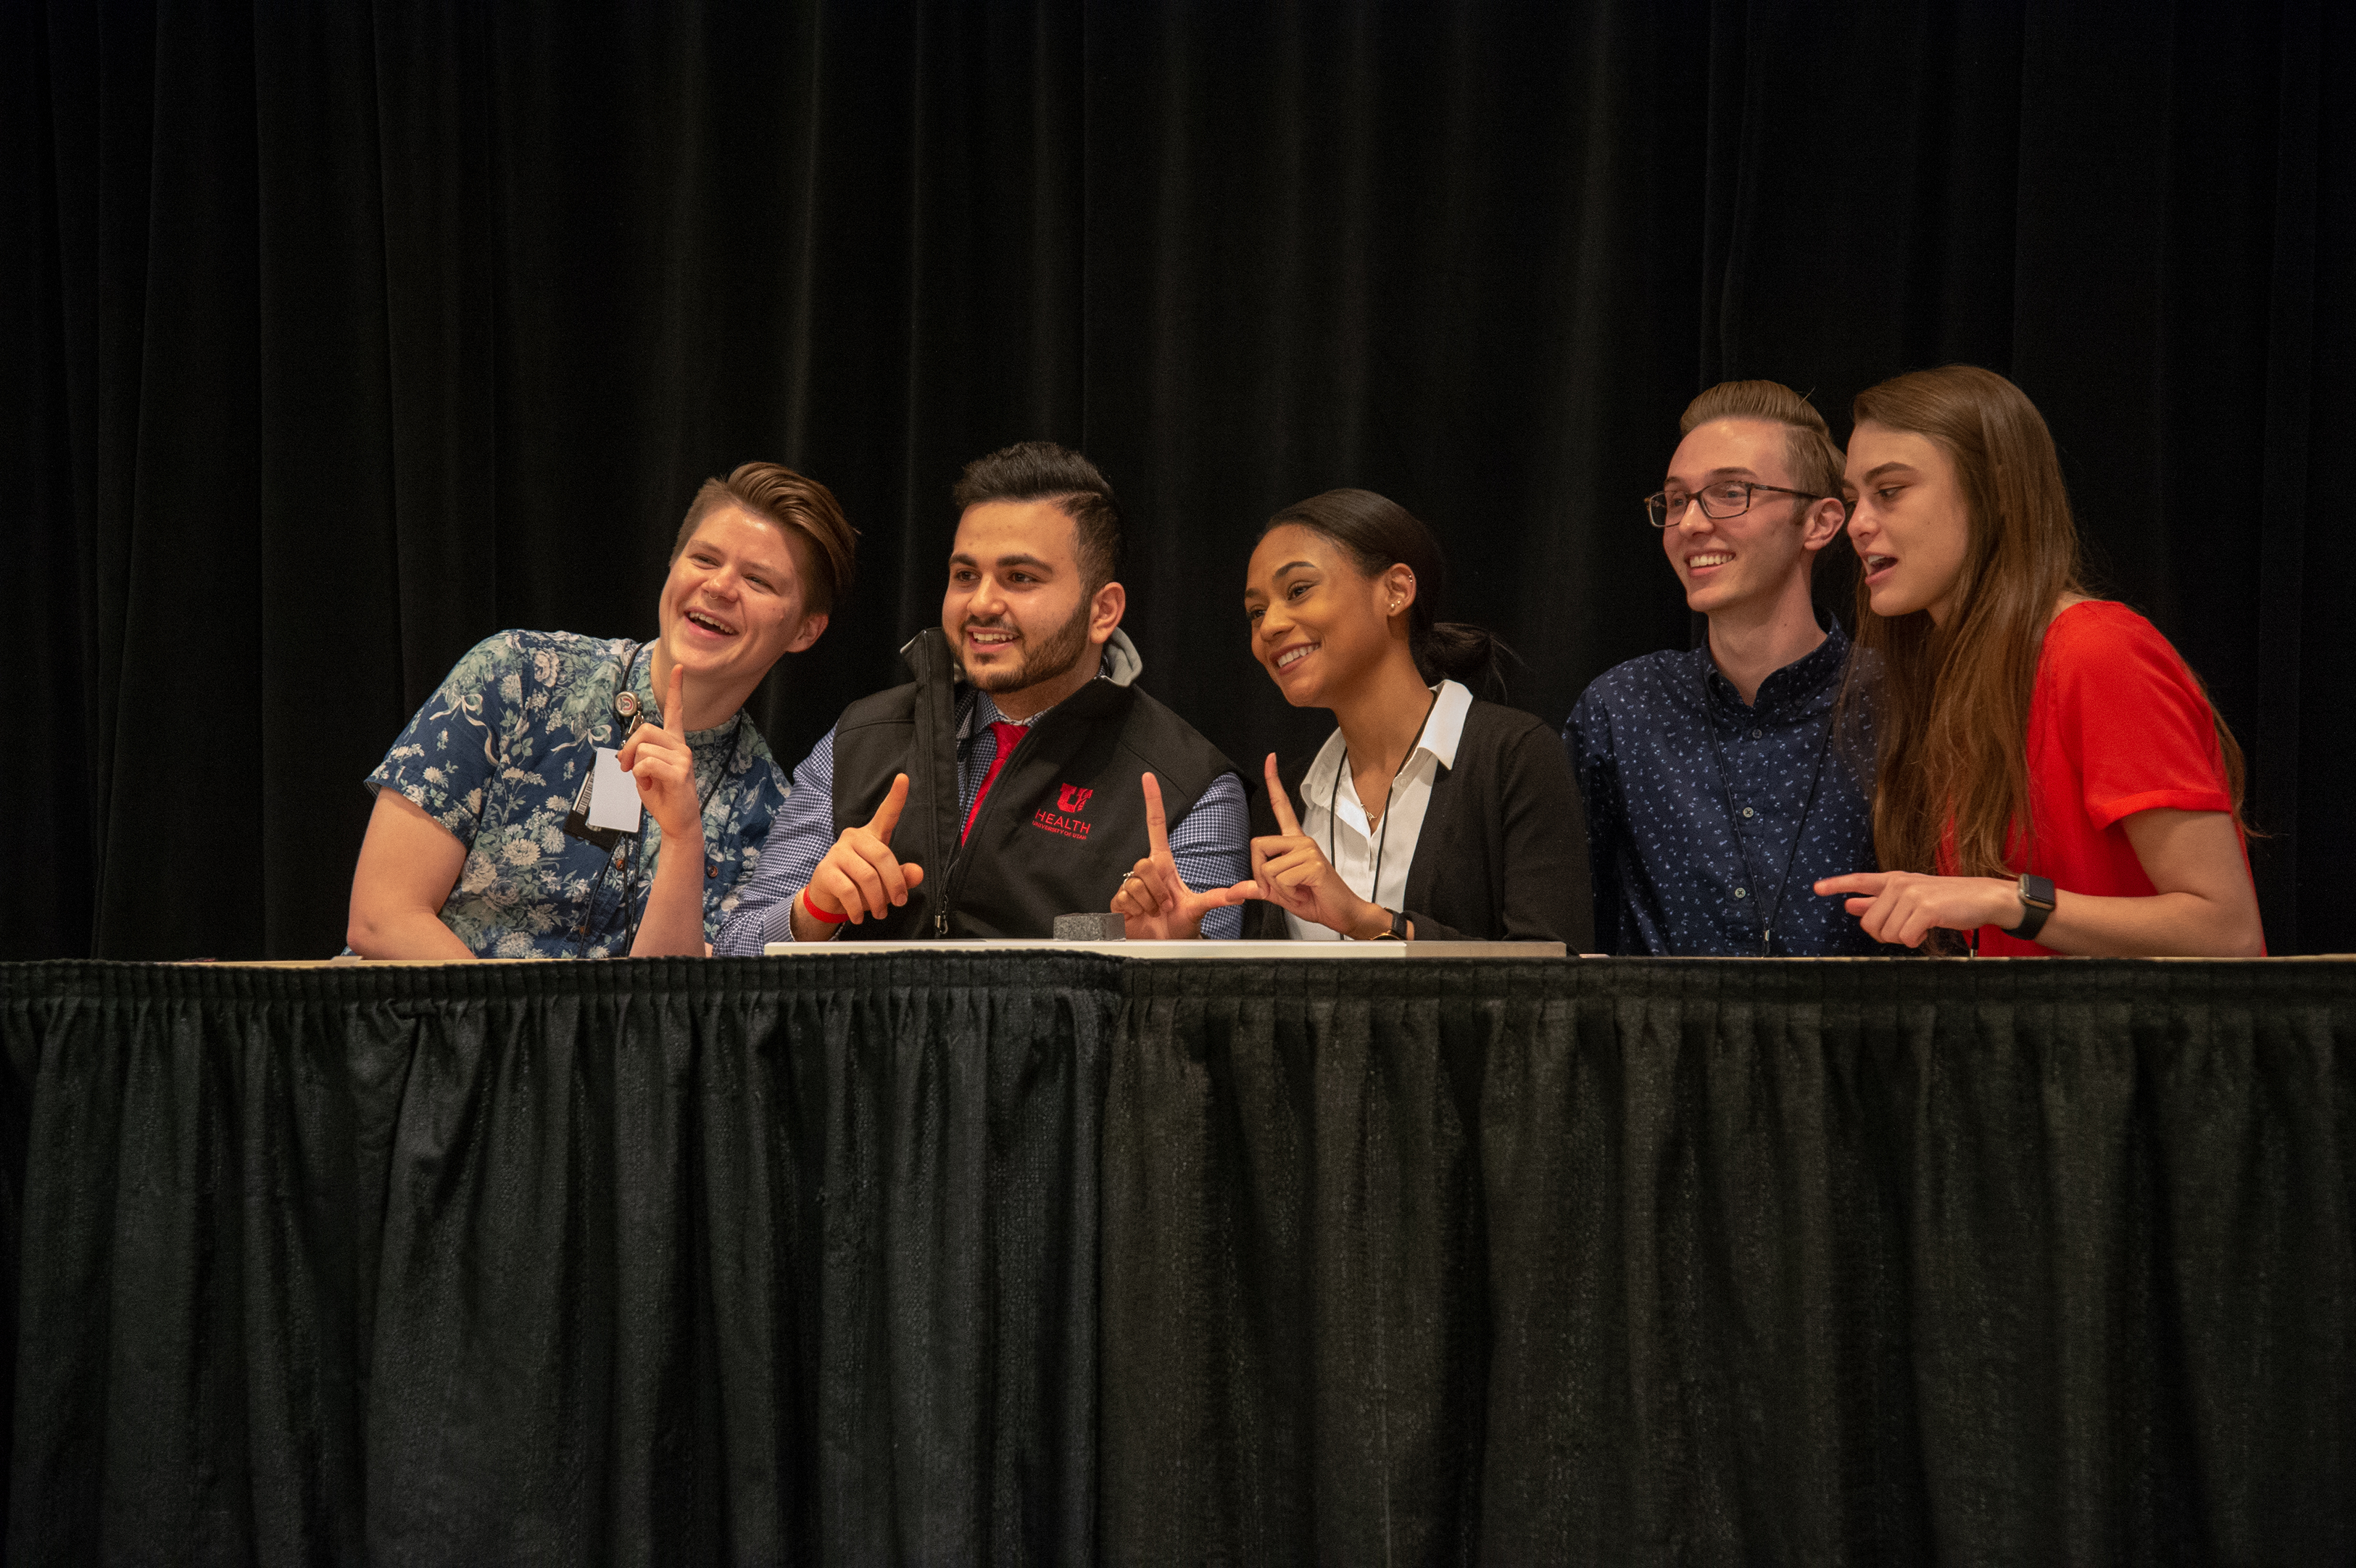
column 1728, row 498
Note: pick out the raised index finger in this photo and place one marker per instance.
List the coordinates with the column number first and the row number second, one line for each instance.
column 1157, row 825
column 887, row 815
column 675, row 705
column 1286, row 823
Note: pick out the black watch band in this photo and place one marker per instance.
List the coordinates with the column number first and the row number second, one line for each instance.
column 2036, row 906
column 1397, row 933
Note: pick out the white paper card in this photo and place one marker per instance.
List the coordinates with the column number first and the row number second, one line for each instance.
column 613, row 794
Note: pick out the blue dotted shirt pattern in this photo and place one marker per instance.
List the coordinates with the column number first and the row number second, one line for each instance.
column 1670, row 816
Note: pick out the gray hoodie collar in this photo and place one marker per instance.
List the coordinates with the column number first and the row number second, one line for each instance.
column 1122, row 662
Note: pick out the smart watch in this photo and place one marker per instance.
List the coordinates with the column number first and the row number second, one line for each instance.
column 2036, row 906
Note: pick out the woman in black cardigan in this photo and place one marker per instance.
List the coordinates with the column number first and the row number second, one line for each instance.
column 1429, row 814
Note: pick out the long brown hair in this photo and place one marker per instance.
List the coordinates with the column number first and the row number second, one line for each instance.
column 1954, row 723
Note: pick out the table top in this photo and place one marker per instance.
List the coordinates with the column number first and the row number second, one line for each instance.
column 1391, row 951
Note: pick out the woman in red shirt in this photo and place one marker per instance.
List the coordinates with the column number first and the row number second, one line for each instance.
column 2048, row 763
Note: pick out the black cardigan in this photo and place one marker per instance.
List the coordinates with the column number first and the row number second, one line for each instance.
column 1502, row 853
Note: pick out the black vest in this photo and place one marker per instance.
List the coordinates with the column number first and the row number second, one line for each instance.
column 1062, row 825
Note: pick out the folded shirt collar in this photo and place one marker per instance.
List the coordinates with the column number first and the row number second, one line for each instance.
column 1443, row 732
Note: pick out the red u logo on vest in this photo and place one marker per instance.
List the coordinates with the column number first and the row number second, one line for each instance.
column 1070, row 801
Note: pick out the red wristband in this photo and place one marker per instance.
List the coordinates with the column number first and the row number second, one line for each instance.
column 818, row 913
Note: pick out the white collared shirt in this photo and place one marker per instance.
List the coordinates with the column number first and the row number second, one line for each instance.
column 1332, row 814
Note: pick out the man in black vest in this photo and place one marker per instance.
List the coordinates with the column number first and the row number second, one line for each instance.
column 1003, row 786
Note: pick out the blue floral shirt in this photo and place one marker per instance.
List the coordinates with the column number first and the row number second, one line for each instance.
column 497, row 754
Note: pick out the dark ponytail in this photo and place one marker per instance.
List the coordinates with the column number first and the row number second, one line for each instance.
column 1380, row 534
column 1470, row 655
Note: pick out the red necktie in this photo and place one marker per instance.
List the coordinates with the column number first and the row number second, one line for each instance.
column 1008, row 737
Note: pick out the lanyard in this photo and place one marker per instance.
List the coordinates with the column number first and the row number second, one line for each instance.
column 702, row 803
column 1382, row 836
column 1734, row 822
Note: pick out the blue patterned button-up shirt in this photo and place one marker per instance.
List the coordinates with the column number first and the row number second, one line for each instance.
column 1707, row 820
column 497, row 755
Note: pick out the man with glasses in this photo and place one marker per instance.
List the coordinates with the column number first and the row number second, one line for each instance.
column 1721, row 782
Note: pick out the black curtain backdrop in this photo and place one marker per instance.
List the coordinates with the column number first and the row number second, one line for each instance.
column 336, row 338
column 937, row 1259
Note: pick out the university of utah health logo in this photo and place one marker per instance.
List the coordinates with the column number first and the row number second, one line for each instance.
column 1070, row 801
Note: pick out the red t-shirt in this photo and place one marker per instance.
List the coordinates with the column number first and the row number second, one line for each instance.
column 2116, row 726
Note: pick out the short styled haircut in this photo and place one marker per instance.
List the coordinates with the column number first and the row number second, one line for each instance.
column 802, row 509
column 1043, row 471
column 1816, row 461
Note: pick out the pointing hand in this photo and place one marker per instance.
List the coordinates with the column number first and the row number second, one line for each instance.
column 1155, row 900
column 1291, row 872
column 859, row 876
column 662, row 763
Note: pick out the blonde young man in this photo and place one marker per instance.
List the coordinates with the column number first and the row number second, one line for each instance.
column 473, row 849
column 1717, row 790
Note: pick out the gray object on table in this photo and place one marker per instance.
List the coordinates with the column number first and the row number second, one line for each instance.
column 1106, row 928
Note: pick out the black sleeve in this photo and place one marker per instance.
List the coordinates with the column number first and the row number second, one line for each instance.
column 1548, row 892
column 1426, row 929
column 1541, row 875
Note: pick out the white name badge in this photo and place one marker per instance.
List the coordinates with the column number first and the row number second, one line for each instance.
column 613, row 794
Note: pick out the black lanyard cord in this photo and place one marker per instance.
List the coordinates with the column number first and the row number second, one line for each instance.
column 703, row 804
column 605, row 864
column 1734, row 822
column 1383, row 835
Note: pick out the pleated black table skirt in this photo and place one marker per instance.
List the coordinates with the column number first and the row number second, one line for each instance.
column 942, row 1258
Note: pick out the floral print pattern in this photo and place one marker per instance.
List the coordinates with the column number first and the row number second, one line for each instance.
column 497, row 755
